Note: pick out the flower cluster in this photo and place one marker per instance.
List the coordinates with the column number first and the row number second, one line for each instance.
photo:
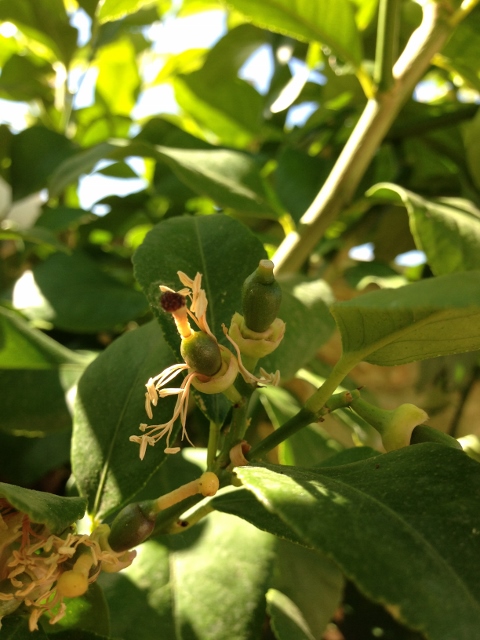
column 39, row 569
column 175, row 302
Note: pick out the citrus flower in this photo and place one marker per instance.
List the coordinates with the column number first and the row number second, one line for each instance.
column 39, row 569
column 211, row 367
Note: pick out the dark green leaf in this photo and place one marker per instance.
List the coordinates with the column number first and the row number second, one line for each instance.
column 55, row 512
column 447, row 231
column 16, row 628
column 76, row 295
column 405, row 514
column 426, row 319
column 36, row 153
column 24, row 79
column 110, row 406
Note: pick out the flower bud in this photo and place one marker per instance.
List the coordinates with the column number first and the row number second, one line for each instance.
column 395, row 426
column 202, row 353
column 423, row 433
column 261, row 297
column 131, row 527
column 208, row 484
column 253, row 344
column 72, row 584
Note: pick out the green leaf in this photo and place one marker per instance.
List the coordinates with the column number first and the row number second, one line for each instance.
column 74, row 294
column 381, row 518
column 117, row 9
column 35, row 235
column 24, row 78
column 36, row 153
column 37, row 370
column 110, row 406
column 430, row 318
column 184, row 591
column 55, row 512
column 87, row 613
column 448, row 230
column 118, row 80
column 308, row 21
column 286, row 618
column 320, row 580
column 230, row 178
column 218, row 247
column 309, row 326
column 16, row 628
column 45, row 21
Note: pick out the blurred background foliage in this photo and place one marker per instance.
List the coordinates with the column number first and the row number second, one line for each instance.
column 120, row 114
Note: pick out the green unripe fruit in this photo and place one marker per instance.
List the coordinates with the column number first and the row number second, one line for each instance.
column 424, row 433
column 130, row 528
column 202, row 353
column 261, row 297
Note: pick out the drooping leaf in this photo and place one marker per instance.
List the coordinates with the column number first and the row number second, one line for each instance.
column 74, row 294
column 430, row 318
column 308, row 21
column 371, row 518
column 218, row 247
column 110, row 406
column 447, row 231
column 55, row 512
column 286, row 618
column 321, row 583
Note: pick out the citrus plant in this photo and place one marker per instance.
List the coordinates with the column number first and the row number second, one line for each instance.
column 240, row 395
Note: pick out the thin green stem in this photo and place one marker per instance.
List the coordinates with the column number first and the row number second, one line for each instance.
column 212, row 446
column 168, row 517
column 387, row 44
column 235, row 433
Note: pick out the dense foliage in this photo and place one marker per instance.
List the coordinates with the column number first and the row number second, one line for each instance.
column 341, row 516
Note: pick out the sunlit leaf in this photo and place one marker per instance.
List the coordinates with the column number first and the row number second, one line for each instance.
column 116, row 9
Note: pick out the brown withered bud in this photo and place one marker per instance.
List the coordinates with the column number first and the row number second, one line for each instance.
column 170, row 301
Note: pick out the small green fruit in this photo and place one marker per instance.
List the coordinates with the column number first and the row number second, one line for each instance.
column 130, row 528
column 424, row 433
column 202, row 353
column 261, row 297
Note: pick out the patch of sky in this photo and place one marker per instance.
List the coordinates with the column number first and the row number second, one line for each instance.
column 96, row 186
column 258, row 69
column 83, row 23
column 174, row 35
column 411, row 258
column 299, row 114
column 362, row 252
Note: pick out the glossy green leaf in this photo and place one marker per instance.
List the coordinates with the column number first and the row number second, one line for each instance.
column 218, row 247
column 117, row 9
column 110, row 406
column 313, row 582
column 180, row 576
column 308, row 21
column 55, row 512
column 309, row 326
column 230, row 178
column 430, row 318
column 286, row 619
column 371, row 518
column 448, row 230
column 74, row 294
